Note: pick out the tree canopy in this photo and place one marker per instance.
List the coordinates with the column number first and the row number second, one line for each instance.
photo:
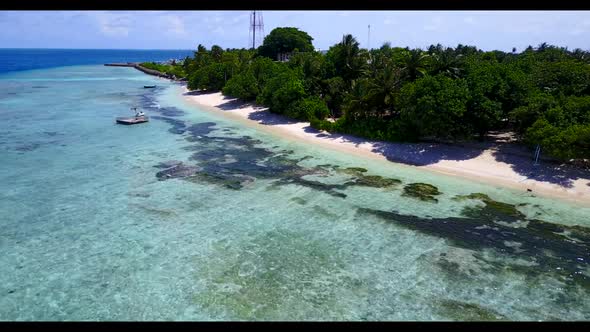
column 283, row 40
column 392, row 93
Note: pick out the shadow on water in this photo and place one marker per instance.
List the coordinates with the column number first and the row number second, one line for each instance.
column 177, row 126
column 548, row 249
column 555, row 249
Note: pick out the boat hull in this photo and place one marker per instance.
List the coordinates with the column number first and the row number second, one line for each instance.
column 132, row 120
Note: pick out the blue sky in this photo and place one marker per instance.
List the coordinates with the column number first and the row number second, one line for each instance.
column 487, row 30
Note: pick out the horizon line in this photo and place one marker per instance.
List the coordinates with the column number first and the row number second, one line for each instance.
column 88, row 48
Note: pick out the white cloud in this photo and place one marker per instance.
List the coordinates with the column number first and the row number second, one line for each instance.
column 173, row 25
column 389, row 21
column 213, row 19
column 578, row 29
column 114, row 24
column 435, row 24
column 241, row 18
column 469, row 20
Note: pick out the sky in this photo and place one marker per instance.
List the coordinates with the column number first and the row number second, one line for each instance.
column 488, row 30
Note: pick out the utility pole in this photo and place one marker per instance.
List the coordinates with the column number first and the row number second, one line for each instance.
column 537, row 154
column 254, row 31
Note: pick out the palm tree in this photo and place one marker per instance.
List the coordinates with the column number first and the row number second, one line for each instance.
column 447, row 63
column 414, row 64
column 356, row 104
column 543, row 46
column 435, row 49
column 384, row 87
column 466, row 50
column 216, row 53
column 201, row 57
column 350, row 49
column 580, row 54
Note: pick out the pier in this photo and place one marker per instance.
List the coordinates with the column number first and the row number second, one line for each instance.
column 122, row 64
column 148, row 71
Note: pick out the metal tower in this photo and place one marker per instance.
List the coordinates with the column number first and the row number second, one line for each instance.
column 369, row 39
column 256, row 28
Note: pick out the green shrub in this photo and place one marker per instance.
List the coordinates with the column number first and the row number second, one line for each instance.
column 572, row 142
column 211, row 77
column 281, row 91
column 242, row 86
column 308, row 108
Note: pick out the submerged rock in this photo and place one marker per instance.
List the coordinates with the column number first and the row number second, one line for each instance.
column 376, row 181
column 421, row 191
column 177, row 171
column 298, row 200
column 559, row 250
column 168, row 164
column 230, row 181
column 170, row 111
column 464, row 311
column 178, row 126
column 356, row 171
column 26, row 147
column 316, row 185
column 201, row 129
column 491, row 210
column 234, row 162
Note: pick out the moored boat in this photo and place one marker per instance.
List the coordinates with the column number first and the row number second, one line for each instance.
column 132, row 120
column 139, row 117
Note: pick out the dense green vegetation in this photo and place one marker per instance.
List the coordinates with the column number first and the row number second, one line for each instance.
column 283, row 40
column 392, row 93
column 171, row 69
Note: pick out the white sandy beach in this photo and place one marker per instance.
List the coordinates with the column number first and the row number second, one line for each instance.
column 496, row 164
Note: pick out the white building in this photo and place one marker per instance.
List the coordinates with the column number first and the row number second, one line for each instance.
column 284, row 57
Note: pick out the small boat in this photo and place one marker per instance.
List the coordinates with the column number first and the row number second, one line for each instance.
column 132, row 120
column 139, row 117
column 149, row 86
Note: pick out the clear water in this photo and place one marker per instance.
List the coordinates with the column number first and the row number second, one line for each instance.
column 259, row 231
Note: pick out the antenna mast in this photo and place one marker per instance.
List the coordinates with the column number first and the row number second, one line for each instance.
column 369, row 39
column 256, row 24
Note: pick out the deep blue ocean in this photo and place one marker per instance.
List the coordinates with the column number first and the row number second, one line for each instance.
column 25, row 59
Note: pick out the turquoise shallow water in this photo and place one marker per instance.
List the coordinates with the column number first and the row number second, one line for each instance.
column 250, row 226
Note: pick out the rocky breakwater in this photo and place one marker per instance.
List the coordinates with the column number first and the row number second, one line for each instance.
column 145, row 70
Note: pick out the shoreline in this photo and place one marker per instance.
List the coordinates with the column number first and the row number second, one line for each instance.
column 493, row 165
